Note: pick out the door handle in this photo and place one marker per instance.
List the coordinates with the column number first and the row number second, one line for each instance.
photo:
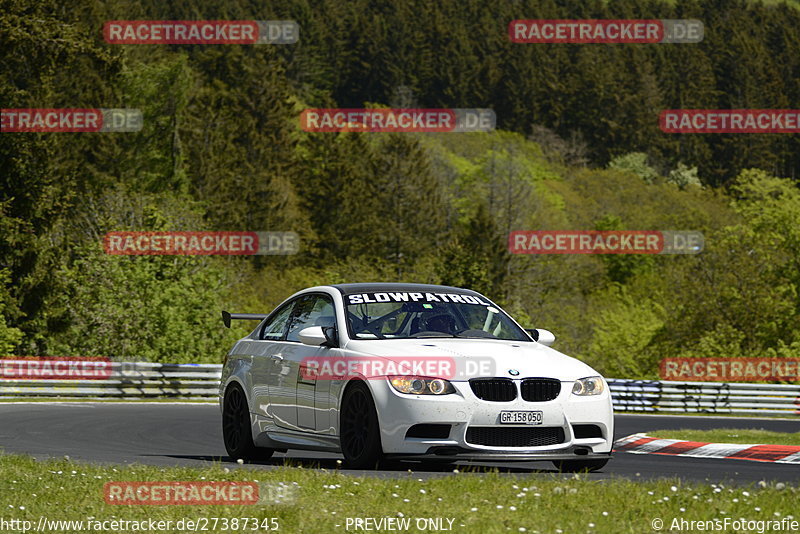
column 278, row 357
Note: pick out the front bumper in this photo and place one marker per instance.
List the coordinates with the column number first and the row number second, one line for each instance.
column 398, row 412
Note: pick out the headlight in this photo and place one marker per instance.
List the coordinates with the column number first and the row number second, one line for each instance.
column 592, row 385
column 417, row 385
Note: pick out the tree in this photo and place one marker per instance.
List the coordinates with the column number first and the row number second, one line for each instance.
column 683, row 176
column 622, row 329
column 636, row 163
column 10, row 337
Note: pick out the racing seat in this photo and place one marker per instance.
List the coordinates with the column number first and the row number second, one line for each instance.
column 414, row 327
column 442, row 322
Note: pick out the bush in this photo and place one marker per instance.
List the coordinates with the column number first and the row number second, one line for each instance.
column 636, row 163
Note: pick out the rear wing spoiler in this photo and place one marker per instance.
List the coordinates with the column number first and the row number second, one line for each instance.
column 227, row 317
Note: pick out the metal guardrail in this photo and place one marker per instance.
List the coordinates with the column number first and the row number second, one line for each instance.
column 144, row 380
column 704, row 397
column 128, row 380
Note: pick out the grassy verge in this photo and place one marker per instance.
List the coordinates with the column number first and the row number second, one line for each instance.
column 730, row 435
column 488, row 503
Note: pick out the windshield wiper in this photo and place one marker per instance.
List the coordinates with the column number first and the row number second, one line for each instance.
column 475, row 334
column 432, row 334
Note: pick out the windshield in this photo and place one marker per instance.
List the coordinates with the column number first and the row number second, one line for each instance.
column 399, row 315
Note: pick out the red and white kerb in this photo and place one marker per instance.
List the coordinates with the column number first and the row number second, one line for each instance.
column 644, row 444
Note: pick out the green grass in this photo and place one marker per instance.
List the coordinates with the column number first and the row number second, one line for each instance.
column 730, row 435
column 486, row 503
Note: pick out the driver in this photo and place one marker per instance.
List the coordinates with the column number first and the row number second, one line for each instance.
column 443, row 322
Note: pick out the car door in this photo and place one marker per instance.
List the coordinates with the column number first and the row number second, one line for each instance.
column 313, row 310
column 266, row 354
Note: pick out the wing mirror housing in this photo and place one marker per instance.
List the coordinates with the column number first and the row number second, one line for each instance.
column 318, row 336
column 540, row 335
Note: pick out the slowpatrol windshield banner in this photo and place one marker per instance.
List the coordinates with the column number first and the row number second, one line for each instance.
column 370, row 298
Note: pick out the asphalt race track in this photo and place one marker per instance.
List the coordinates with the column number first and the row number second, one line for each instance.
column 190, row 434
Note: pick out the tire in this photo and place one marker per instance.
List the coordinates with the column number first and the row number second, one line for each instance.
column 576, row 466
column 360, row 433
column 236, row 430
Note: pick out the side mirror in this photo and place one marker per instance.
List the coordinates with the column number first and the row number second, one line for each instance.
column 317, row 336
column 540, row 335
column 313, row 335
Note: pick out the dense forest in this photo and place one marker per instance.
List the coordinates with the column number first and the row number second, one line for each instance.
column 577, row 147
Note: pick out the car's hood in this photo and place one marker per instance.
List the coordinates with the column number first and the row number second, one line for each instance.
column 498, row 358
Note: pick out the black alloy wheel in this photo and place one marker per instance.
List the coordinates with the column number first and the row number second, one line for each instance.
column 236, row 429
column 360, row 432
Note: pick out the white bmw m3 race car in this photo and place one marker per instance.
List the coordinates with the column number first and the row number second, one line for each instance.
column 409, row 371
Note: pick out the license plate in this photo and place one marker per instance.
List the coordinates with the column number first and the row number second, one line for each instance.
column 521, row 418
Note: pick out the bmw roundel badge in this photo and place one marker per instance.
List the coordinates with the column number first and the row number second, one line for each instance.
column 513, row 372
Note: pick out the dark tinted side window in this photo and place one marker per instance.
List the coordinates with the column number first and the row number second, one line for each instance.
column 276, row 327
column 313, row 310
